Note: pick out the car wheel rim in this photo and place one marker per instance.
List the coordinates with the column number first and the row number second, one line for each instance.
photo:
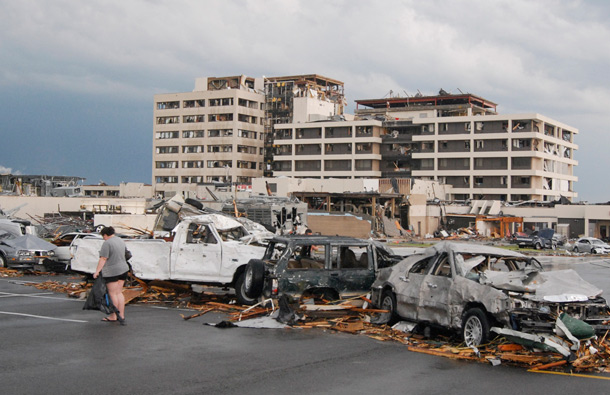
column 386, row 304
column 473, row 331
column 248, row 280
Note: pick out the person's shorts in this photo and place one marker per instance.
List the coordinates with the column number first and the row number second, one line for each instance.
column 116, row 278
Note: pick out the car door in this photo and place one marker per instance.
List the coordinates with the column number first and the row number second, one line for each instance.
column 584, row 245
column 408, row 287
column 351, row 272
column 199, row 255
column 434, row 292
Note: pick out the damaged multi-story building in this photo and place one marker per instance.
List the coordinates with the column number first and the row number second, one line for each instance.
column 461, row 140
column 222, row 131
column 213, row 134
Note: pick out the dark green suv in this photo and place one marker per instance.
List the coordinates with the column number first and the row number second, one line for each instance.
column 332, row 267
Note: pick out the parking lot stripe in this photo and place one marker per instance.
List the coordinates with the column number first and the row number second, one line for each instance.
column 39, row 295
column 40, row 316
column 587, row 376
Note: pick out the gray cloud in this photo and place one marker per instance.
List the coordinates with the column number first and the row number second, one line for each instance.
column 547, row 57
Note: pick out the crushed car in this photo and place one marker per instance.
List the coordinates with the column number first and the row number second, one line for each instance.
column 592, row 245
column 470, row 288
column 24, row 251
column 207, row 249
column 329, row 267
column 538, row 239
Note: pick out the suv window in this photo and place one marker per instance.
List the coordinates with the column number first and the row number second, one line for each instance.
column 307, row 257
column 350, row 257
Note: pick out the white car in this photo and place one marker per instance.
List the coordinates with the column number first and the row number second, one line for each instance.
column 65, row 245
column 592, row 245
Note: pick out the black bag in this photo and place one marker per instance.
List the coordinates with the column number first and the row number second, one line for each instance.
column 99, row 299
column 127, row 254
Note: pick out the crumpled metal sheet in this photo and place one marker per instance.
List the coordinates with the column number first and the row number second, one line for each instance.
column 552, row 286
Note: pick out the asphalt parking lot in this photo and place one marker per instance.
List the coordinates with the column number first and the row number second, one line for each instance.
column 50, row 345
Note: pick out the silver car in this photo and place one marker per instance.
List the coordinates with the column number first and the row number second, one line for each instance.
column 592, row 245
column 471, row 288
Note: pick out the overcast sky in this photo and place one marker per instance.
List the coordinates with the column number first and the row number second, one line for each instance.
column 77, row 78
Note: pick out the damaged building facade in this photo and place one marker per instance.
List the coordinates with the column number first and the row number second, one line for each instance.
column 213, row 134
column 462, row 141
column 300, row 98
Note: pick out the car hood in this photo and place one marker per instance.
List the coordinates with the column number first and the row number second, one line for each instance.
column 552, row 286
column 29, row 242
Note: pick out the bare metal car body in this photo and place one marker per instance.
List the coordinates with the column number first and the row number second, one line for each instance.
column 331, row 266
column 470, row 287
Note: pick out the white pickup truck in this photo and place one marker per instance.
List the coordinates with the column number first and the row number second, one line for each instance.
column 211, row 249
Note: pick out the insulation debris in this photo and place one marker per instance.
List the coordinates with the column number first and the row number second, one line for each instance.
column 352, row 316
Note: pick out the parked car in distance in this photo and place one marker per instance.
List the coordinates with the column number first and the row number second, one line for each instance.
column 538, row 239
column 592, row 245
column 471, row 288
column 332, row 267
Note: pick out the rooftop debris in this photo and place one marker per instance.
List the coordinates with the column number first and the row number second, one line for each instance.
column 353, row 316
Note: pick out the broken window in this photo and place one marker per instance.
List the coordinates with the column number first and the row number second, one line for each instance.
column 478, row 180
column 192, row 179
column 423, row 265
column 193, row 149
column 167, row 120
column 245, row 149
column 220, row 117
column 167, row 135
column 242, row 164
column 220, row 148
column 467, row 126
column 193, row 118
column 247, row 134
column 166, row 180
column 220, row 133
column 192, row 164
column 349, row 257
column 166, row 164
column 193, row 103
column 364, row 131
column 219, row 163
column 164, row 105
column 189, row 134
column 245, row 118
column 227, row 101
column 167, row 150
column 480, row 144
column 467, row 145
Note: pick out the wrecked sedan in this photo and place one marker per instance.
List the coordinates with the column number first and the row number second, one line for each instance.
column 24, row 251
column 330, row 267
column 472, row 288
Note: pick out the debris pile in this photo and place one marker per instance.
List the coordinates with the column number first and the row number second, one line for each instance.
column 352, row 316
column 51, row 227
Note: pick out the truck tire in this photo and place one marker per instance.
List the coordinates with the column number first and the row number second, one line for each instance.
column 3, row 262
column 195, row 203
column 254, row 278
column 240, row 293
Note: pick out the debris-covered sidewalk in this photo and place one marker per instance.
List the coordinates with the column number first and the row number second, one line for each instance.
column 351, row 316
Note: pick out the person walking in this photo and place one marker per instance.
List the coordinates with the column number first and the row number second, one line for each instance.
column 113, row 268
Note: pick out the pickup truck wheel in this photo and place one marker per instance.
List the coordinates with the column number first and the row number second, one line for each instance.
column 575, row 249
column 240, row 291
column 388, row 302
column 3, row 261
column 538, row 246
column 475, row 327
column 594, row 251
column 254, row 278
